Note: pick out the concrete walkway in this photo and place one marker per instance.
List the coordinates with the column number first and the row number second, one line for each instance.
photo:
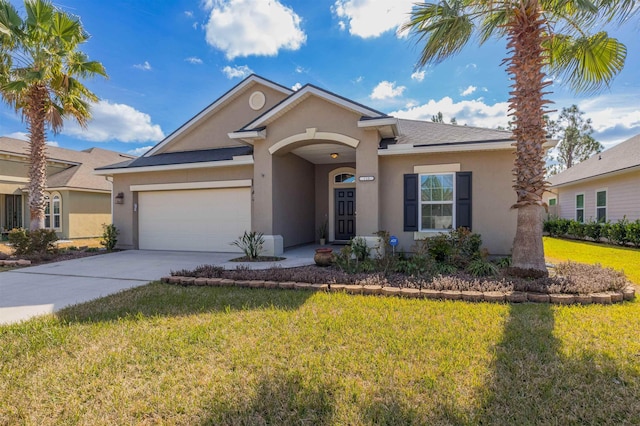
column 43, row 289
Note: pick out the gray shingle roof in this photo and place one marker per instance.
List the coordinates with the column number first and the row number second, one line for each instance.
column 79, row 174
column 425, row 133
column 184, row 157
column 623, row 156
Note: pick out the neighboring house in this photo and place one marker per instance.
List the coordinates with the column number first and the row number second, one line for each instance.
column 263, row 157
column 604, row 187
column 78, row 201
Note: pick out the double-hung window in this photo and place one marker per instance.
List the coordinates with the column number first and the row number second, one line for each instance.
column 52, row 209
column 437, row 201
column 580, row 207
column 601, row 206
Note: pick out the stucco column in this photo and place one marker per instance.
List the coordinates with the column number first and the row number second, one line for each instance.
column 262, row 199
column 367, row 199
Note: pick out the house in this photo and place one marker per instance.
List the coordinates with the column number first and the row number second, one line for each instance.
column 78, row 201
column 602, row 188
column 263, row 157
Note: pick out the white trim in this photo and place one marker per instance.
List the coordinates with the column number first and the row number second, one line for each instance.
column 307, row 91
column 241, row 183
column 248, row 135
column 437, row 168
column 13, row 179
column 313, row 134
column 70, row 188
column 332, row 198
column 378, row 122
column 552, row 198
column 214, row 106
column 404, row 149
column 242, row 160
column 442, row 203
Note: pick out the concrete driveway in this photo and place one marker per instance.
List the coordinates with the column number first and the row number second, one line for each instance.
column 43, row 289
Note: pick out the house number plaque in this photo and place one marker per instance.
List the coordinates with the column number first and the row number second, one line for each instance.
column 366, row 178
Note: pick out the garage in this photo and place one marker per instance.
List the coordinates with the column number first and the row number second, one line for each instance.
column 193, row 219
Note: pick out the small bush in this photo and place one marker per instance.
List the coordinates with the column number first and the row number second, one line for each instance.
column 109, row 236
column 360, row 248
column 633, row 233
column 593, row 230
column 577, row 229
column 40, row 241
column 250, row 243
column 618, row 232
column 481, row 268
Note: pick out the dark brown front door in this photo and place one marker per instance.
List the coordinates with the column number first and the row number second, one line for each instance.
column 345, row 213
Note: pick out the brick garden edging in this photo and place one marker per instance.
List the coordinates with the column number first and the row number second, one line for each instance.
column 606, row 298
column 19, row 262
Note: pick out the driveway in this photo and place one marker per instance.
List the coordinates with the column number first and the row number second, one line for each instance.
column 43, row 289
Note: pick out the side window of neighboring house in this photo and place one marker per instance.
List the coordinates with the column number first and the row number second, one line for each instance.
column 552, row 202
column 580, row 207
column 601, row 206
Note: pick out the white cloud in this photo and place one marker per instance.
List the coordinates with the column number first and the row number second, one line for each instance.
column 188, row 13
column 472, row 113
column 418, row 76
column 194, row 60
column 139, row 151
column 19, row 135
column 117, row 122
column 239, row 71
column 53, row 143
column 146, row 66
column 300, row 69
column 371, row 18
column 615, row 118
column 252, row 27
column 296, row 87
column 469, row 90
column 387, row 90
column 359, row 79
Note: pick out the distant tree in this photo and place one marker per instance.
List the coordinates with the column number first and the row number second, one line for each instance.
column 40, row 65
column 576, row 143
column 437, row 118
column 453, row 121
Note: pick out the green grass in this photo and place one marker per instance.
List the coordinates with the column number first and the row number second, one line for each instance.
column 163, row 354
column 620, row 258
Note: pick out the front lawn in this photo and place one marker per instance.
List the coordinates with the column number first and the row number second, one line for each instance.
column 163, row 354
column 619, row 258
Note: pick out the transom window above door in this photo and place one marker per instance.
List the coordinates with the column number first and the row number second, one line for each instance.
column 345, row 178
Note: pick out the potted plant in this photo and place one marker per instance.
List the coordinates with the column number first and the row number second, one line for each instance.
column 322, row 233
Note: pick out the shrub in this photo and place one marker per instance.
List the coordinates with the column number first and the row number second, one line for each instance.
column 40, row 241
column 618, row 232
column 577, row 229
column 360, row 248
column 633, row 232
column 481, row 268
column 109, row 236
column 593, row 230
column 440, row 247
column 250, row 243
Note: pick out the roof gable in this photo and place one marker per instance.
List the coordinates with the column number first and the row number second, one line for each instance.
column 215, row 107
column 625, row 155
column 299, row 96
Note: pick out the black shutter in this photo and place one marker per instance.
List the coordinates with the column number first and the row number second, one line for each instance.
column 463, row 199
column 411, row 202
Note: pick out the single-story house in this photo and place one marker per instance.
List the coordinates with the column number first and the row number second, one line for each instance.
column 603, row 187
column 266, row 158
column 78, row 201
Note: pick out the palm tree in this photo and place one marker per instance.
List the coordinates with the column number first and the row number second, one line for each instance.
column 552, row 35
column 39, row 69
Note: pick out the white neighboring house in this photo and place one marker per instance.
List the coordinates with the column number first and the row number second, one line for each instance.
column 604, row 187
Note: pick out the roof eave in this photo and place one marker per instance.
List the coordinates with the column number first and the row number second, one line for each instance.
column 240, row 160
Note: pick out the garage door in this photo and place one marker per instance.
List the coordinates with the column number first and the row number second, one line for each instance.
column 193, row 220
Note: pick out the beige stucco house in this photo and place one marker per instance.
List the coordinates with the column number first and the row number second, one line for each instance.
column 604, row 187
column 263, row 157
column 78, row 201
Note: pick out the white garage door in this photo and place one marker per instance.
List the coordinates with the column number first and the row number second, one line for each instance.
column 193, row 220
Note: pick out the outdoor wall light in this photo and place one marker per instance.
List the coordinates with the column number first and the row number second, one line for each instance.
column 119, row 199
column 334, row 155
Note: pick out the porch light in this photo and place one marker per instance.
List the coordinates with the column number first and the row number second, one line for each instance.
column 119, row 199
column 334, row 155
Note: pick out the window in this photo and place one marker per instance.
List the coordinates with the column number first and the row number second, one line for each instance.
column 52, row 212
column 601, row 206
column 345, row 178
column 437, row 201
column 580, row 207
column 552, row 202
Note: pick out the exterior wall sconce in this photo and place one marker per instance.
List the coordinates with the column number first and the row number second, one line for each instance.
column 334, row 155
column 119, row 199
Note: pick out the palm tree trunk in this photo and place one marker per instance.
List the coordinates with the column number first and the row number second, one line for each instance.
column 527, row 103
column 35, row 115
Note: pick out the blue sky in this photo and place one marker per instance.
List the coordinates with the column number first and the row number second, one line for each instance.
column 167, row 60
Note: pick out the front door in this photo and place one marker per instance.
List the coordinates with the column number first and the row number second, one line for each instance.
column 13, row 211
column 345, row 217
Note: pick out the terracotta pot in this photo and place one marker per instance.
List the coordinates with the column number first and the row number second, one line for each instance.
column 323, row 256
